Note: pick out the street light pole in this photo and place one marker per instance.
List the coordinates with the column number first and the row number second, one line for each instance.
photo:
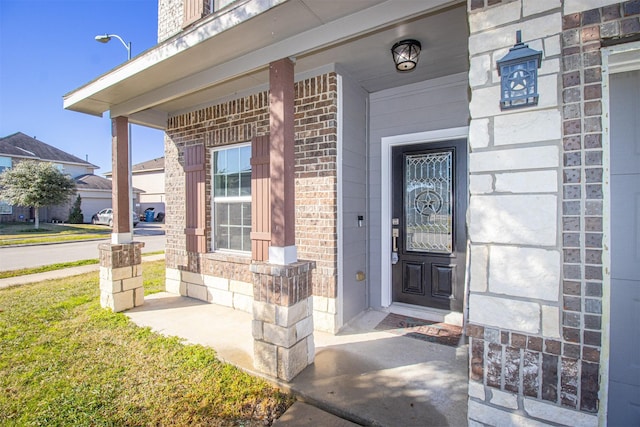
column 105, row 38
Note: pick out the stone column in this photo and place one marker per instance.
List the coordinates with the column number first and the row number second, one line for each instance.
column 283, row 318
column 121, row 275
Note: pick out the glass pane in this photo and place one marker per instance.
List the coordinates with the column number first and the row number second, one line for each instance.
column 222, row 237
column 235, row 213
column 245, row 184
column 235, row 238
column 220, row 186
column 233, row 185
column 222, row 213
column 245, row 159
column 428, row 202
column 246, row 214
column 246, row 239
column 233, row 161
column 220, row 162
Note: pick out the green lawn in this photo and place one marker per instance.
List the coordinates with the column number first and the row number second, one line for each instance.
column 66, row 361
column 25, row 233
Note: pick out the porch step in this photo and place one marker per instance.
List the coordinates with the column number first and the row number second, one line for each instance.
column 302, row 415
column 424, row 313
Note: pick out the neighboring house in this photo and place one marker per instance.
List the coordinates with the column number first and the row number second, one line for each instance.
column 95, row 192
column 305, row 174
column 19, row 147
column 148, row 177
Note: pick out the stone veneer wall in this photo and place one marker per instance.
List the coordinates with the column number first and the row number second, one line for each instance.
column 170, row 16
column 237, row 121
column 521, row 363
column 545, row 364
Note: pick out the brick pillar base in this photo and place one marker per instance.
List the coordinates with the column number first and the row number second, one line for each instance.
column 282, row 318
column 121, row 275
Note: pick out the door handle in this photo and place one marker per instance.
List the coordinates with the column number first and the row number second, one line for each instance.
column 395, row 233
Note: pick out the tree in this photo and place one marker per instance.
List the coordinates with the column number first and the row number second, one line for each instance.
column 75, row 213
column 34, row 184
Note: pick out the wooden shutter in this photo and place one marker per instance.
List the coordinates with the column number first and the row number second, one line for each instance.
column 194, row 162
column 193, row 10
column 260, row 199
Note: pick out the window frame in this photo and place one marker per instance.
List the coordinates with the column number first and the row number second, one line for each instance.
column 227, row 199
column 5, row 207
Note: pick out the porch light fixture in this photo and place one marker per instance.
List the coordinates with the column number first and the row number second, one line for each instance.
column 405, row 54
column 518, row 71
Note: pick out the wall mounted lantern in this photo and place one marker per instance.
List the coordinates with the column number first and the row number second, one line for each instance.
column 518, row 71
column 405, row 54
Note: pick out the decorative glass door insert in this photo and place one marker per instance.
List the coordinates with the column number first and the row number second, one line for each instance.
column 428, row 206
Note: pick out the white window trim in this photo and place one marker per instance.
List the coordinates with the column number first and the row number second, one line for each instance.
column 224, row 199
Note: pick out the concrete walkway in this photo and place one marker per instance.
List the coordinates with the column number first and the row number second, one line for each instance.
column 362, row 375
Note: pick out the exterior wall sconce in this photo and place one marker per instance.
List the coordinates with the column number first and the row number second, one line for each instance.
column 518, row 71
column 405, row 54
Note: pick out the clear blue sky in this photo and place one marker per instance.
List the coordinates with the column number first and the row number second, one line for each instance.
column 47, row 49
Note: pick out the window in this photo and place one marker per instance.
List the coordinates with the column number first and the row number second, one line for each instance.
column 232, row 198
column 5, row 163
column 5, row 208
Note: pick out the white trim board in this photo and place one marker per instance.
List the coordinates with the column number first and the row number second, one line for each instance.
column 387, row 144
column 615, row 59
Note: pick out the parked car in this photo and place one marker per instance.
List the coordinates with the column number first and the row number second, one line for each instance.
column 105, row 216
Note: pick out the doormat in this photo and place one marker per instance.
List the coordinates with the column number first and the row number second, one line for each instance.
column 425, row 330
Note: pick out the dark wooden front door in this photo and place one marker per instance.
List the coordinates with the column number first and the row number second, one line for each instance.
column 428, row 224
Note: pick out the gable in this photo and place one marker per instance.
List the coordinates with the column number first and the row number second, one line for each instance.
column 24, row 146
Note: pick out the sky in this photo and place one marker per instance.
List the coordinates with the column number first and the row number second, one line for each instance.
column 48, row 48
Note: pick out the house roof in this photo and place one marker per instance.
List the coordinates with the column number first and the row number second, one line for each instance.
column 149, row 165
column 154, row 165
column 95, row 182
column 24, row 146
column 227, row 54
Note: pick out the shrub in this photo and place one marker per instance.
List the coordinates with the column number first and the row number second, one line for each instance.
column 75, row 213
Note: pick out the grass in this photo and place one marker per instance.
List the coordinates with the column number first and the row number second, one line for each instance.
column 56, row 266
column 24, row 233
column 66, row 361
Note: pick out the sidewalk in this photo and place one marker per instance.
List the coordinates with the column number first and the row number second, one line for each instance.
column 59, row 274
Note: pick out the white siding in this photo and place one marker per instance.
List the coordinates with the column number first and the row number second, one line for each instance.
column 353, row 201
column 75, row 170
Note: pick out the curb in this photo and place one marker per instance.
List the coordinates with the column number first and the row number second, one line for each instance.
column 51, row 243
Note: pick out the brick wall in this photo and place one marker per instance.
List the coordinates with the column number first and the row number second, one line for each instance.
column 237, row 121
column 582, row 209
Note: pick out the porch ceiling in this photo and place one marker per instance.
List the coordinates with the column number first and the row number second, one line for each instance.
column 212, row 61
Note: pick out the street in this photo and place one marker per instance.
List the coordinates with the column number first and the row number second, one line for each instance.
column 13, row 258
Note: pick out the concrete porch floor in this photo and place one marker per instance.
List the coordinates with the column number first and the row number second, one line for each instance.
column 366, row 376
